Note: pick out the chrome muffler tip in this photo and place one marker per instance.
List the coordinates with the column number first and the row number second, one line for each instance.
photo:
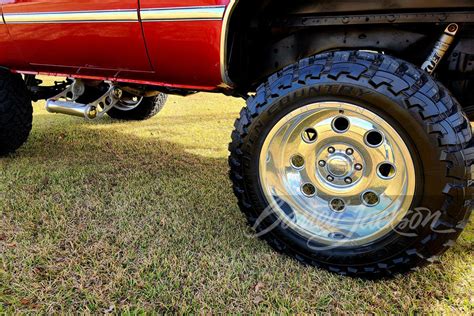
column 71, row 108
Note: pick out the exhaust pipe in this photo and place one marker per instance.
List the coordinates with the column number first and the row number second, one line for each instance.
column 71, row 108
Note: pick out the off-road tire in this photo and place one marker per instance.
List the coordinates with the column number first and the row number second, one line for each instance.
column 148, row 108
column 420, row 107
column 16, row 112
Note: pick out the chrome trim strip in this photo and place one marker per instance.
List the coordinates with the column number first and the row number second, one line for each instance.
column 74, row 17
column 227, row 82
column 183, row 14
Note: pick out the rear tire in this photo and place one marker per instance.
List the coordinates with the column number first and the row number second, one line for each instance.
column 16, row 112
column 424, row 114
column 148, row 108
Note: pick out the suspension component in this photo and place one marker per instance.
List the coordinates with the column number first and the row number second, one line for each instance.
column 440, row 48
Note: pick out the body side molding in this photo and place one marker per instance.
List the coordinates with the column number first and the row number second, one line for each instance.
column 198, row 13
column 72, row 17
column 183, row 14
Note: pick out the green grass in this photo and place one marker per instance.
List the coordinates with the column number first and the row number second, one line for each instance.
column 132, row 217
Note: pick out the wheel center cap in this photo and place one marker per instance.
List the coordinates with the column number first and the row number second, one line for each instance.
column 339, row 166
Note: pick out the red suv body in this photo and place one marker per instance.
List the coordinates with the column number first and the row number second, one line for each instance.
column 173, row 43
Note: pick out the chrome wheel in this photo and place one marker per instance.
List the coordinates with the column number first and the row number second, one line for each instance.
column 337, row 173
column 128, row 104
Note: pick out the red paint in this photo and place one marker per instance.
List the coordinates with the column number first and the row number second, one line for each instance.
column 180, row 54
column 28, row 6
column 10, row 56
column 75, row 45
column 185, row 52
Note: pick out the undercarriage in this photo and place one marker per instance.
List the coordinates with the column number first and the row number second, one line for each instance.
column 89, row 99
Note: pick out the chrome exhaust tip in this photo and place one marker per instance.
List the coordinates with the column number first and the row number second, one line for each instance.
column 71, row 108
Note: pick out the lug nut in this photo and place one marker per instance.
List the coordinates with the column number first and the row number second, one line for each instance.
column 358, row 167
column 350, row 151
column 348, row 180
column 330, row 178
column 322, row 163
column 331, row 150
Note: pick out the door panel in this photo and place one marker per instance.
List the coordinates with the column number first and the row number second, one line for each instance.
column 184, row 43
column 78, row 35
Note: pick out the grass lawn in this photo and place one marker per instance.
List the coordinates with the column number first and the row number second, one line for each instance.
column 112, row 216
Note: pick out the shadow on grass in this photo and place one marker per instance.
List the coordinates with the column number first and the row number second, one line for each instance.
column 98, row 219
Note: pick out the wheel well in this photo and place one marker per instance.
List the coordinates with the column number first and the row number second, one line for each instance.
column 265, row 36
